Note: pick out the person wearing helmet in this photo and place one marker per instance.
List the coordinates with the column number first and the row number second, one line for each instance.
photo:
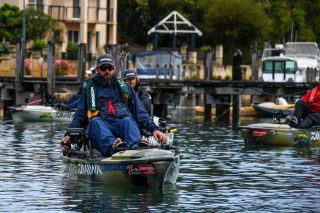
column 130, row 77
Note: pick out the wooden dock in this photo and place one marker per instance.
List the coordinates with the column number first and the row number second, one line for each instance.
column 16, row 89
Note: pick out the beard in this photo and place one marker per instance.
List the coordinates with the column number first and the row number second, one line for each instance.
column 106, row 80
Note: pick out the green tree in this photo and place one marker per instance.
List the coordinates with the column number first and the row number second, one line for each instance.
column 234, row 23
column 38, row 24
column 139, row 16
column 312, row 18
column 10, row 16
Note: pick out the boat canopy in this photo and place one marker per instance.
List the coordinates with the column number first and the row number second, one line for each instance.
column 149, row 64
column 302, row 48
column 279, row 69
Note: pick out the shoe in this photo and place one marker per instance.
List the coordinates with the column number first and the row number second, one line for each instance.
column 144, row 144
column 119, row 145
column 292, row 121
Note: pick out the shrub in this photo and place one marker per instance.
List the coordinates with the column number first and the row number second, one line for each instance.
column 194, row 76
column 61, row 67
column 72, row 51
column 27, row 66
column 216, row 77
column 38, row 45
column 206, row 48
column 72, row 47
column 227, row 77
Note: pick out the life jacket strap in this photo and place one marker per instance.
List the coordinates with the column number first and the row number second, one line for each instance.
column 92, row 114
column 123, row 88
column 111, row 110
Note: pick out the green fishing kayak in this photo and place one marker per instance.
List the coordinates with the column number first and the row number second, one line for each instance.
column 279, row 135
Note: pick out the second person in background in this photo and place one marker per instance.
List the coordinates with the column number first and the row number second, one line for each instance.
column 130, row 77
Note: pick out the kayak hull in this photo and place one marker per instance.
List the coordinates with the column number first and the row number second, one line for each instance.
column 244, row 111
column 269, row 110
column 142, row 167
column 279, row 135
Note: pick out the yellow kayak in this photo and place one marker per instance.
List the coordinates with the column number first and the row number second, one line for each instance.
column 245, row 110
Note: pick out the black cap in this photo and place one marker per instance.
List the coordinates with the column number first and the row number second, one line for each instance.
column 105, row 59
column 129, row 74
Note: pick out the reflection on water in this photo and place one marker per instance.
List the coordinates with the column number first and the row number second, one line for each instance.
column 217, row 173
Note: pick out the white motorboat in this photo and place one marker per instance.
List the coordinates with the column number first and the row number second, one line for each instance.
column 39, row 113
column 293, row 62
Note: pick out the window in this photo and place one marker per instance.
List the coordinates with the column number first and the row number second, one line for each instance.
column 97, row 39
column 36, row 4
column 290, row 67
column 76, row 9
column 88, row 41
column 278, row 66
column 73, row 36
column 268, row 67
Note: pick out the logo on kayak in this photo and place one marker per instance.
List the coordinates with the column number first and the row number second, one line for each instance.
column 112, row 168
column 315, row 136
column 302, row 137
column 64, row 115
column 141, row 169
column 89, row 169
column 280, row 133
column 46, row 115
column 259, row 133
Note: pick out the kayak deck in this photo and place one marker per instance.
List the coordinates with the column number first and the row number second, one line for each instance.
column 279, row 135
column 144, row 167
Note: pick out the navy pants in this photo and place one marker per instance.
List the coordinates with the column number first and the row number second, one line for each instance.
column 306, row 118
column 102, row 134
column 301, row 110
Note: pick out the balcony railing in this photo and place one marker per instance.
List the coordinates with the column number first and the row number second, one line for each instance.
column 100, row 14
column 64, row 13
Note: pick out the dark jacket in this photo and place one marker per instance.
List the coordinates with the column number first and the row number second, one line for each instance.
column 132, row 107
column 144, row 97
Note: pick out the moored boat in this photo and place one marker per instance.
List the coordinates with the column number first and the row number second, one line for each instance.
column 39, row 113
column 279, row 135
column 244, row 111
column 144, row 167
column 270, row 108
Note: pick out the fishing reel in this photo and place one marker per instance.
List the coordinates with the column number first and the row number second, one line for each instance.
column 277, row 117
column 78, row 139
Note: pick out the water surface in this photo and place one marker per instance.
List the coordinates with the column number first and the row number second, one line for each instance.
column 217, row 174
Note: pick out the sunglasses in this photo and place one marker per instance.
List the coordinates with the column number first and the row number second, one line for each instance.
column 105, row 68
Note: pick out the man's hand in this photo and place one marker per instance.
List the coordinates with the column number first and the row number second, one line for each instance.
column 159, row 136
column 65, row 140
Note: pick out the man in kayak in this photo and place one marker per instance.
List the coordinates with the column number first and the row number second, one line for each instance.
column 130, row 77
column 111, row 112
column 307, row 110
